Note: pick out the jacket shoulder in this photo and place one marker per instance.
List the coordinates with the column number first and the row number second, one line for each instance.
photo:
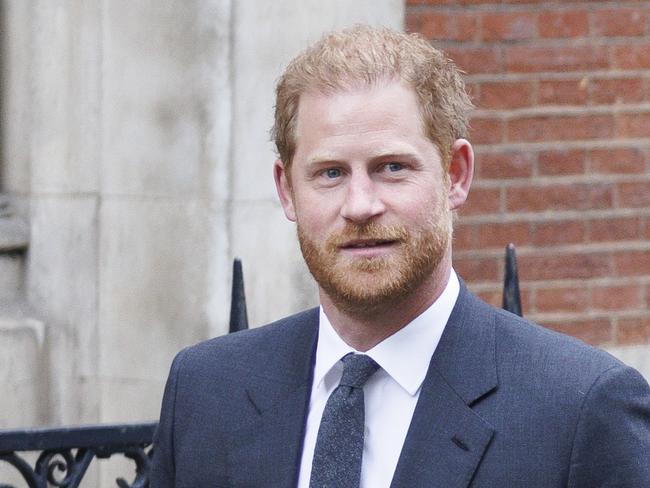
column 521, row 338
column 258, row 346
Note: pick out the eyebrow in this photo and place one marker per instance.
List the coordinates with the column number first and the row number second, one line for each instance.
column 397, row 155
column 328, row 158
column 319, row 158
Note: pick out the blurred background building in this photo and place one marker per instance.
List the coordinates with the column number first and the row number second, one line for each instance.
column 562, row 134
column 136, row 163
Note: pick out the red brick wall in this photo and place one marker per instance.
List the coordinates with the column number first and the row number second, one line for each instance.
column 562, row 136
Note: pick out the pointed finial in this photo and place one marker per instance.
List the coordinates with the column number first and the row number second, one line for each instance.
column 238, row 315
column 511, row 295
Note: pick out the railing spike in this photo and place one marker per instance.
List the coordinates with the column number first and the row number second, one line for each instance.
column 238, row 315
column 511, row 295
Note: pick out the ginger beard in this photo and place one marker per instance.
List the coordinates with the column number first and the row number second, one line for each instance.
column 364, row 286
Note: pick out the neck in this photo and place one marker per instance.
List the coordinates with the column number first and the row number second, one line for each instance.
column 365, row 330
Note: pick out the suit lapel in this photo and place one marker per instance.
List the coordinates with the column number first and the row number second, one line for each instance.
column 447, row 439
column 266, row 452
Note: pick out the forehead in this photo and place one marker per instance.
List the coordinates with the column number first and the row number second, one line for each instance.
column 380, row 113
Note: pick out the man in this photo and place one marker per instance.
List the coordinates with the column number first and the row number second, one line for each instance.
column 402, row 378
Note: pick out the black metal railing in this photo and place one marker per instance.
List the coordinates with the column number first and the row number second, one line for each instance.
column 66, row 453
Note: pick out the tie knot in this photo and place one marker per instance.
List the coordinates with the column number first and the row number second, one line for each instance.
column 357, row 368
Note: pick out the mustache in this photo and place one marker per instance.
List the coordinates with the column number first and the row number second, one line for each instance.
column 368, row 231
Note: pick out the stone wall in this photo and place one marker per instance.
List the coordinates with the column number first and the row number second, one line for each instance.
column 135, row 146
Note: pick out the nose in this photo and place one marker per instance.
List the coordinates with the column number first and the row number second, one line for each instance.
column 362, row 201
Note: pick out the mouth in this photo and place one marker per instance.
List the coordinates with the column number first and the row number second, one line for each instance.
column 368, row 248
column 367, row 243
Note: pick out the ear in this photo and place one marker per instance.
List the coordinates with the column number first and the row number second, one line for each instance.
column 461, row 172
column 283, row 187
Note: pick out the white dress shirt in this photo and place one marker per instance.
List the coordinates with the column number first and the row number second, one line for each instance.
column 390, row 394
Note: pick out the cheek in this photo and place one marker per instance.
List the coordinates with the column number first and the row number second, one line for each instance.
column 313, row 219
column 413, row 203
column 313, row 206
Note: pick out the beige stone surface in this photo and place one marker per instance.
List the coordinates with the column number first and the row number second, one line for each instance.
column 62, row 288
column 16, row 99
column 11, row 280
column 166, row 77
column 65, row 136
column 152, row 279
column 139, row 399
column 22, row 354
column 62, row 271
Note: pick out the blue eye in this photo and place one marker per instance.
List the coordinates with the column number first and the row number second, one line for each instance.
column 332, row 173
column 392, row 167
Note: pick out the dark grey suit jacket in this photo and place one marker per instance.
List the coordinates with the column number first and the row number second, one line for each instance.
column 505, row 404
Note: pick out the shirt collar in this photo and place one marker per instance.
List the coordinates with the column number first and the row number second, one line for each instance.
column 406, row 354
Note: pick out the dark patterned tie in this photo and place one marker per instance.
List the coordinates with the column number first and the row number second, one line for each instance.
column 339, row 445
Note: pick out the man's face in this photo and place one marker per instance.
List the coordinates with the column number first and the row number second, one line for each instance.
column 369, row 195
